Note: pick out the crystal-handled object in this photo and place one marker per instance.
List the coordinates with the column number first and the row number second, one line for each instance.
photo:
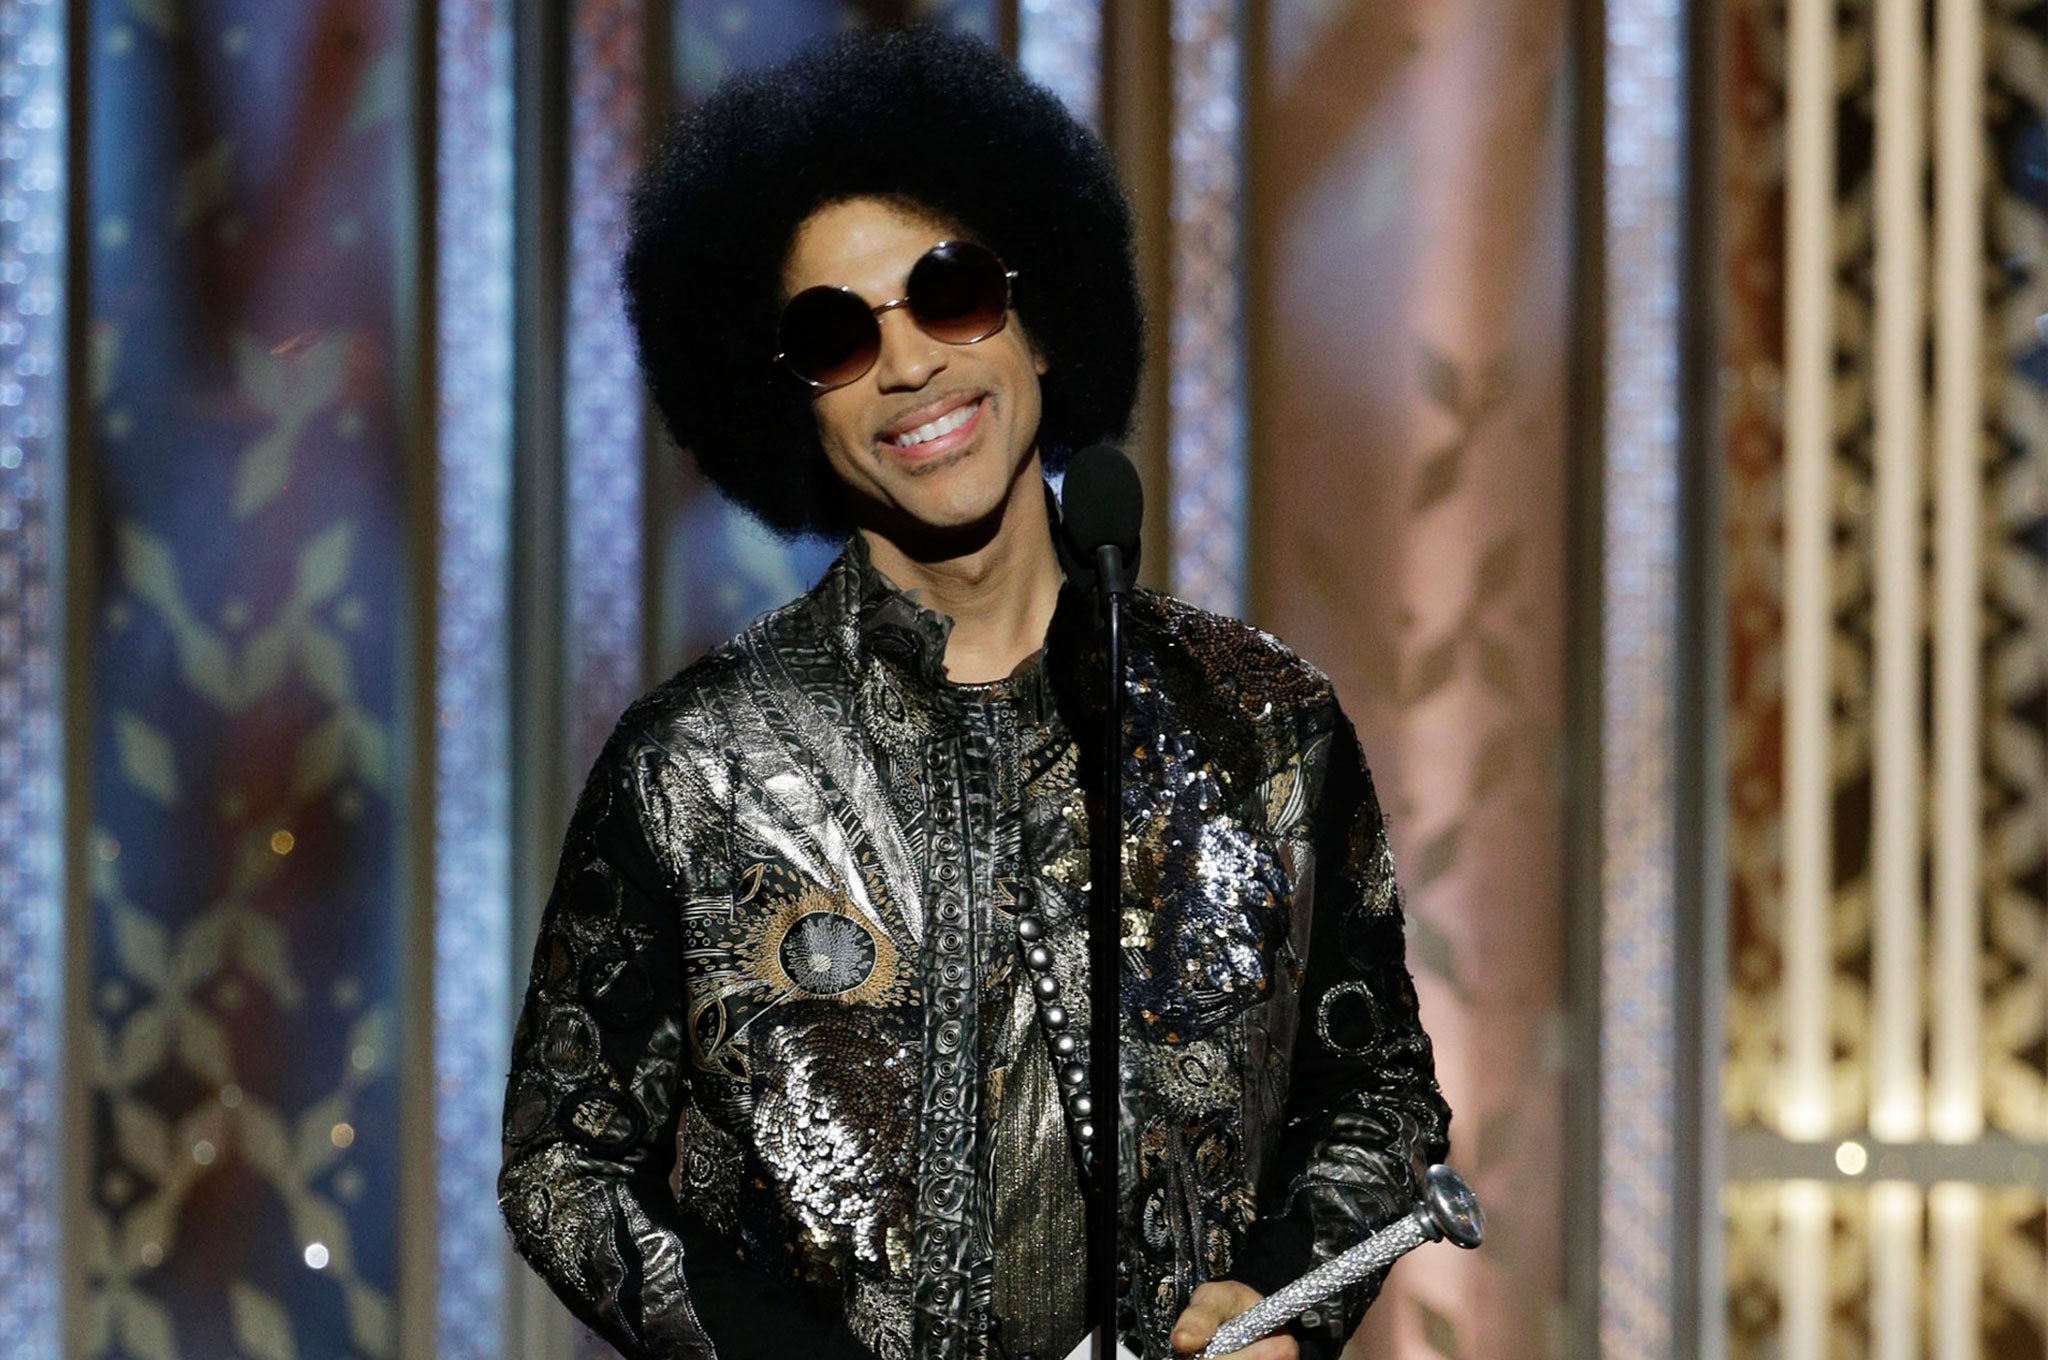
column 1449, row 1211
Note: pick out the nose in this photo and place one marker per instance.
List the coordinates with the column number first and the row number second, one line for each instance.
column 909, row 358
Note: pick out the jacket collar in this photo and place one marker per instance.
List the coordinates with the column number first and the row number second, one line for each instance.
column 870, row 618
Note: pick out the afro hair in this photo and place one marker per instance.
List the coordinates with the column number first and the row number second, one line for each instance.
column 936, row 120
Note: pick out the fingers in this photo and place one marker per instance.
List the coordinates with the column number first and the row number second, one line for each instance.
column 1210, row 1307
column 1280, row 1347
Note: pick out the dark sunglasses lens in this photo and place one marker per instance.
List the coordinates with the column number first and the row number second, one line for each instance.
column 958, row 292
column 829, row 336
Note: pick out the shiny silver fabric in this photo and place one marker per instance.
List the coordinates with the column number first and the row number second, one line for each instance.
column 776, row 1036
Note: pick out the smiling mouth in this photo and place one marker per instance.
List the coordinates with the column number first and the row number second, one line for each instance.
column 937, row 435
column 933, row 430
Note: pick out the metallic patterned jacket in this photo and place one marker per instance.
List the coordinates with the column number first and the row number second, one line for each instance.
column 781, row 1085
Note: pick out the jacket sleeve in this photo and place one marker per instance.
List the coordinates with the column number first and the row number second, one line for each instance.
column 590, row 1103
column 1363, row 1111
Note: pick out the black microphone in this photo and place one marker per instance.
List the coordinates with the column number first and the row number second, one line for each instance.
column 1102, row 510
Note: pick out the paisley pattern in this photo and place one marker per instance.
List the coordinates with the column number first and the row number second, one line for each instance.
column 777, row 1013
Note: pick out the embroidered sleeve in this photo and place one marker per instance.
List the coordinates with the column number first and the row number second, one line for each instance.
column 590, row 1104
column 1363, row 1109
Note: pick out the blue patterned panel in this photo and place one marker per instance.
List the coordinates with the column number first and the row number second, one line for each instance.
column 1645, row 163
column 244, row 164
column 604, row 448
column 472, row 665
column 33, row 131
column 1059, row 45
column 1206, row 346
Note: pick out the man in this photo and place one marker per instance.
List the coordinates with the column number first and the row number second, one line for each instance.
column 800, row 1069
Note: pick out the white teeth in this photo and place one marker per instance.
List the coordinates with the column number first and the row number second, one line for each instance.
column 945, row 424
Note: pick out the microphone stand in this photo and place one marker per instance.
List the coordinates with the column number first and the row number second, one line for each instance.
column 1105, row 967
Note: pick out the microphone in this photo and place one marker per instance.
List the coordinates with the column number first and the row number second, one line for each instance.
column 1103, row 507
column 1102, row 510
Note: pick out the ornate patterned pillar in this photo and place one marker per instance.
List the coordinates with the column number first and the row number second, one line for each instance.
column 1059, row 45
column 604, row 448
column 1206, row 426
column 34, row 145
column 472, row 680
column 1642, row 1257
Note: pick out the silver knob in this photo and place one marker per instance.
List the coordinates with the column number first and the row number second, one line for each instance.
column 1448, row 1211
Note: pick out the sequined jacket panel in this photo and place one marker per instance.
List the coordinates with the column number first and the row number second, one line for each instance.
column 781, row 1076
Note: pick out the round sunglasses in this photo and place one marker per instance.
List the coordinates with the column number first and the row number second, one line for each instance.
column 958, row 292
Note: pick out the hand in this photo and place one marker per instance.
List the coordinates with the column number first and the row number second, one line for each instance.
column 1214, row 1304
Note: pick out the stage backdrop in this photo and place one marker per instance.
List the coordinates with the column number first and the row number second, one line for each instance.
column 1412, row 168
column 250, row 593
column 364, row 535
column 1883, row 449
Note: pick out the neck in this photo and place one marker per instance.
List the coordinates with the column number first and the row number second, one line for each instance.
column 999, row 592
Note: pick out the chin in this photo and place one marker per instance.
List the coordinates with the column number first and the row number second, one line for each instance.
column 966, row 497
column 948, row 507
column 936, row 527
column 953, row 516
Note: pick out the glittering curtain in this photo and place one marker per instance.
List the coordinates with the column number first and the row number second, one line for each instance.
column 1410, row 172
column 250, row 510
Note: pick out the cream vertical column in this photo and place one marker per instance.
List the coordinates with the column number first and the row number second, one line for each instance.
column 1803, row 1223
column 1953, row 1213
column 1956, row 1108
column 1894, row 1271
column 1897, row 1095
column 1956, row 1112
column 1805, row 1108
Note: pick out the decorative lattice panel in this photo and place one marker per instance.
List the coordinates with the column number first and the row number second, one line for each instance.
column 2015, row 708
column 253, row 501
column 1942, row 1256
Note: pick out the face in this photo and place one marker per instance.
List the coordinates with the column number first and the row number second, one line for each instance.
column 935, row 437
